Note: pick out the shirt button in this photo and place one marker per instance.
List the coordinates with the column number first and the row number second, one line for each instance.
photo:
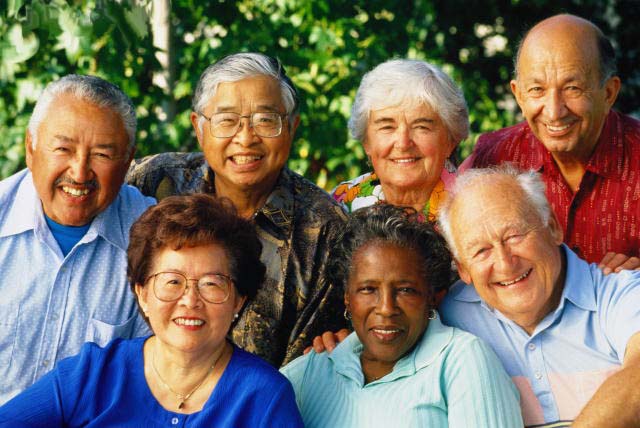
column 45, row 363
column 174, row 421
column 532, row 346
column 538, row 375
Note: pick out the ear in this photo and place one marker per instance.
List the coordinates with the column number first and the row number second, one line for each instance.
column 294, row 125
column 612, row 88
column 555, row 229
column 240, row 300
column 132, row 154
column 195, row 119
column 28, row 144
column 464, row 273
column 142, row 293
column 515, row 90
column 346, row 300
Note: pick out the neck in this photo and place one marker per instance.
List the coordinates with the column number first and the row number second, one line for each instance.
column 181, row 370
column 374, row 369
column 416, row 197
column 246, row 200
column 572, row 169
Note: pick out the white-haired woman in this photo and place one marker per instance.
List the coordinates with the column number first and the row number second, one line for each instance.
column 410, row 116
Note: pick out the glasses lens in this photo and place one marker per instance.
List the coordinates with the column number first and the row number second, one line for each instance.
column 169, row 286
column 267, row 124
column 224, row 124
column 214, row 288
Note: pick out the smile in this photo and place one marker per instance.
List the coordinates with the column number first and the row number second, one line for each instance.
column 405, row 160
column 245, row 159
column 558, row 128
column 386, row 334
column 190, row 321
column 520, row 278
column 75, row 192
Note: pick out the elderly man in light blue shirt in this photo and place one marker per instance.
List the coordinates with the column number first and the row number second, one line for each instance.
column 64, row 226
column 568, row 335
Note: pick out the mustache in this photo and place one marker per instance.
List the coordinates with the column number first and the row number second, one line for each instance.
column 91, row 184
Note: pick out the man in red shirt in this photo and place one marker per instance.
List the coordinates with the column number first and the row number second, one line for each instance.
column 588, row 154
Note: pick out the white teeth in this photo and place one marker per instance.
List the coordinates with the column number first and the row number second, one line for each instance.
column 75, row 192
column 379, row 331
column 183, row 321
column 520, row 278
column 241, row 160
column 404, row 160
column 557, row 128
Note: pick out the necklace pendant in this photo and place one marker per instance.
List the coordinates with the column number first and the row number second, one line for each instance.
column 181, row 405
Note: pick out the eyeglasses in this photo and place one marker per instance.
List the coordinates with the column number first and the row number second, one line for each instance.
column 225, row 125
column 171, row 286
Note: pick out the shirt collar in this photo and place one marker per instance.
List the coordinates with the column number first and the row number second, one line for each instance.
column 26, row 214
column 608, row 157
column 346, row 356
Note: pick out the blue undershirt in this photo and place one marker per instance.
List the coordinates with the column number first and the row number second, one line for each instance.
column 66, row 236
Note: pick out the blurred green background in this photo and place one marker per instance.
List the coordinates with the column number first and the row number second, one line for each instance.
column 156, row 49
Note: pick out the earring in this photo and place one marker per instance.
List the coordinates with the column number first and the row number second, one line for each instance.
column 432, row 314
column 235, row 316
column 347, row 315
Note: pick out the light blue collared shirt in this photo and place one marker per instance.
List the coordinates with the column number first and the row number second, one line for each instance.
column 51, row 304
column 450, row 379
column 574, row 348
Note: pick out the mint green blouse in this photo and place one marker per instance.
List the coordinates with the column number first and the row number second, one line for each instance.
column 450, row 379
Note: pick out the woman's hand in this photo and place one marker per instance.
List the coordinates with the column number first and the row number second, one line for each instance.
column 327, row 341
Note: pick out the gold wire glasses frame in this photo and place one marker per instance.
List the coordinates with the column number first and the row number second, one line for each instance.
column 171, row 286
column 227, row 124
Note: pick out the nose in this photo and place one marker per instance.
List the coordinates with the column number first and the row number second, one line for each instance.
column 80, row 168
column 245, row 135
column 555, row 106
column 191, row 297
column 503, row 258
column 403, row 136
column 386, row 303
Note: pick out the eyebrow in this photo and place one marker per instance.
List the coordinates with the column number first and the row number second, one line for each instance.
column 259, row 107
column 384, row 120
column 64, row 138
column 424, row 120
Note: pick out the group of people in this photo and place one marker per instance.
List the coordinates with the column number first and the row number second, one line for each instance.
column 189, row 306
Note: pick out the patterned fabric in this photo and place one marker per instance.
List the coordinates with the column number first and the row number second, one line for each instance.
column 574, row 348
column 366, row 190
column 106, row 387
column 51, row 304
column 449, row 379
column 604, row 215
column 297, row 229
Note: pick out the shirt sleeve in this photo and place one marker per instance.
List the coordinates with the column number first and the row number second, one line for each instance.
column 282, row 410
column 619, row 308
column 479, row 392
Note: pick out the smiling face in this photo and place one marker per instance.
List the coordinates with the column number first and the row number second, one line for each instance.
column 80, row 159
column 190, row 324
column 407, row 145
column 559, row 87
column 512, row 259
column 246, row 161
column 388, row 299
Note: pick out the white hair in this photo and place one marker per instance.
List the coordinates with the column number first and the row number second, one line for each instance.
column 400, row 80
column 530, row 182
column 233, row 68
column 89, row 88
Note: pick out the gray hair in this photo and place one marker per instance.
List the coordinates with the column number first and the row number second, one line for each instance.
column 607, row 55
column 241, row 66
column 396, row 81
column 389, row 224
column 89, row 88
column 530, row 182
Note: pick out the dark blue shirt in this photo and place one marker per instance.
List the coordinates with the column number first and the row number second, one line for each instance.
column 66, row 236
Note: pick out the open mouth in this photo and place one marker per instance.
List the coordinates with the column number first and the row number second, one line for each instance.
column 386, row 334
column 245, row 159
column 191, row 322
column 556, row 129
column 75, row 192
column 520, row 278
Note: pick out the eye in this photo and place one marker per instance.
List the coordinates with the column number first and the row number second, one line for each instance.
column 101, row 155
column 481, row 253
column 409, row 291
column 535, row 91
column 366, row 289
column 515, row 238
column 61, row 150
column 573, row 90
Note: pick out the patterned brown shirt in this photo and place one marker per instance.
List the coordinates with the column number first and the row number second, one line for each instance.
column 297, row 229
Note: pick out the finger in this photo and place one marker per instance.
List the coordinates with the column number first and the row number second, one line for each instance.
column 342, row 334
column 633, row 263
column 606, row 259
column 329, row 340
column 318, row 345
column 307, row 350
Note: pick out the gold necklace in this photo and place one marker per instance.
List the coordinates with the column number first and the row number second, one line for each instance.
column 182, row 397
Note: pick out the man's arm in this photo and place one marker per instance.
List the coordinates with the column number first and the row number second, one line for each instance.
column 616, row 404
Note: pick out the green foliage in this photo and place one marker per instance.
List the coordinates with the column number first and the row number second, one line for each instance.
column 325, row 45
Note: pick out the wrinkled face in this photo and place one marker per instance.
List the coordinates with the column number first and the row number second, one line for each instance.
column 512, row 259
column 246, row 161
column 80, row 160
column 560, row 93
column 388, row 299
column 190, row 324
column 407, row 146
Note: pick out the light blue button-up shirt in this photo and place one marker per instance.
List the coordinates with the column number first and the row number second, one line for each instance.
column 574, row 348
column 51, row 304
column 450, row 379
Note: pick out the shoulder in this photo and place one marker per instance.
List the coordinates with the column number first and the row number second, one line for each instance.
column 9, row 188
column 93, row 360
column 365, row 189
column 461, row 306
column 498, row 146
column 131, row 199
column 253, row 371
column 311, row 201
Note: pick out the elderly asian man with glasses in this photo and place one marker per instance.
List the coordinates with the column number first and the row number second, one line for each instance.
column 245, row 114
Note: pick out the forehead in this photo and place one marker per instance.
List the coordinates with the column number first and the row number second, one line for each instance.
column 558, row 51
column 409, row 110
column 253, row 92
column 81, row 120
